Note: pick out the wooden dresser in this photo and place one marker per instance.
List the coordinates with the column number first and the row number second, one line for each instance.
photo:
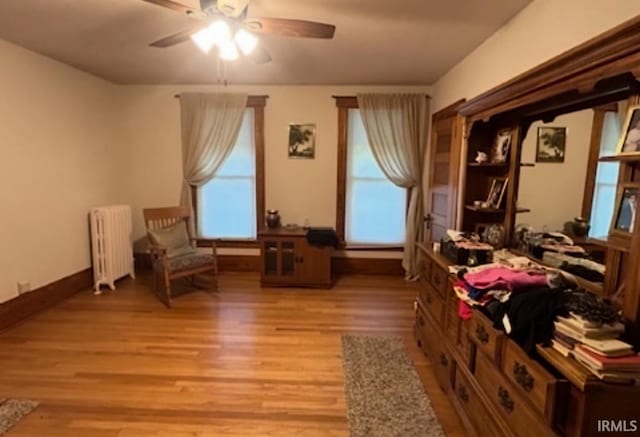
column 496, row 389
column 287, row 259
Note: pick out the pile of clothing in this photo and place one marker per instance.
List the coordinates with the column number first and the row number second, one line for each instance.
column 558, row 250
column 521, row 297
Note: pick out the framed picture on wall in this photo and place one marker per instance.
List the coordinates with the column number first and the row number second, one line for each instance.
column 551, row 145
column 629, row 143
column 501, row 146
column 626, row 205
column 496, row 192
column 302, row 140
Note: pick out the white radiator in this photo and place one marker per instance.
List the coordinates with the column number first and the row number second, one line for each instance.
column 112, row 249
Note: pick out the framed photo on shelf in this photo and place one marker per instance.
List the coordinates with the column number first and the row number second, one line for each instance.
column 624, row 217
column 629, row 143
column 302, row 140
column 551, row 144
column 496, row 192
column 501, row 146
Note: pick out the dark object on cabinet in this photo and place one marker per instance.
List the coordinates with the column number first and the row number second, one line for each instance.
column 323, row 237
column 461, row 256
column 287, row 259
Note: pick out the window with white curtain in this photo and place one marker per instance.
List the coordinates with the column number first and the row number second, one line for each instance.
column 226, row 205
column 375, row 209
column 604, row 194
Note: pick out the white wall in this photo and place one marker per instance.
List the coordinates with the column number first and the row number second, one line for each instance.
column 58, row 153
column 554, row 191
column 542, row 30
column 299, row 189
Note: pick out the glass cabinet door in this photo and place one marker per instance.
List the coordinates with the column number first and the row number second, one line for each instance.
column 271, row 258
column 288, row 258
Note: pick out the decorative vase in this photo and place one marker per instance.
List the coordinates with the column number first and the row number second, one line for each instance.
column 580, row 227
column 273, row 218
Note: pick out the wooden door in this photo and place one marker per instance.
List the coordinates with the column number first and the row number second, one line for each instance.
column 444, row 171
column 279, row 260
column 314, row 265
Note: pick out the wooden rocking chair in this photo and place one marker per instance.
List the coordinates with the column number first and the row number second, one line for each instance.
column 173, row 249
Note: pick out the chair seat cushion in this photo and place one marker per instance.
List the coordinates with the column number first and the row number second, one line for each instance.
column 187, row 262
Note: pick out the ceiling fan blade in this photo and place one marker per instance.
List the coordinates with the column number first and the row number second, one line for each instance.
column 260, row 55
column 176, row 38
column 287, row 27
column 169, row 4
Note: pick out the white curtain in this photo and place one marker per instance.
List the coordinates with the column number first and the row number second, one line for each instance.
column 395, row 126
column 210, row 127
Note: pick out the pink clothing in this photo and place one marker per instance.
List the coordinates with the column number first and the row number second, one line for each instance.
column 464, row 311
column 504, row 278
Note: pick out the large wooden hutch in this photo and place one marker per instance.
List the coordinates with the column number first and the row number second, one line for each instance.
column 495, row 387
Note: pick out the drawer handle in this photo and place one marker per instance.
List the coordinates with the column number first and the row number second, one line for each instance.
column 444, row 362
column 420, row 321
column 523, row 377
column 505, row 400
column 481, row 334
column 462, row 392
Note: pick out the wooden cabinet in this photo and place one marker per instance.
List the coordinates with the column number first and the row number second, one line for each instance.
column 287, row 259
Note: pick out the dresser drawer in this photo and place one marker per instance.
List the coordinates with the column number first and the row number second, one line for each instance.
column 430, row 336
column 452, row 321
column 465, row 345
column 533, row 381
column 439, row 280
column 474, row 408
column 488, row 339
column 426, row 265
column 433, row 303
column 443, row 364
column 514, row 408
column 421, row 329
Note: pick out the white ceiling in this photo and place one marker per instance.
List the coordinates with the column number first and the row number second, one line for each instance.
column 376, row 41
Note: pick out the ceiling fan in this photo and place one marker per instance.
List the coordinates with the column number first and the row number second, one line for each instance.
column 224, row 23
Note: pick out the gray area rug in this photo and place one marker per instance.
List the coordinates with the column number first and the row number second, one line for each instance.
column 385, row 397
column 12, row 410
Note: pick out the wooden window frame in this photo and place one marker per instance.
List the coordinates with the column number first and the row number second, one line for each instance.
column 344, row 103
column 257, row 103
column 594, row 154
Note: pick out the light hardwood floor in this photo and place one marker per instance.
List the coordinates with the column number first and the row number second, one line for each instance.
column 245, row 361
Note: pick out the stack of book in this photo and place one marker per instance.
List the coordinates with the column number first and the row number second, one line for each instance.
column 596, row 346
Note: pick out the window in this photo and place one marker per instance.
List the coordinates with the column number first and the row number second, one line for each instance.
column 231, row 205
column 371, row 209
column 606, row 177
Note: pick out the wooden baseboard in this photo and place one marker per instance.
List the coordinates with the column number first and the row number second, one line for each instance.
column 238, row 263
column 367, row 266
column 28, row 304
column 339, row 265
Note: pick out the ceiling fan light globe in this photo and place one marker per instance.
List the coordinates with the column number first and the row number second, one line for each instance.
column 204, row 39
column 246, row 41
column 220, row 32
column 229, row 51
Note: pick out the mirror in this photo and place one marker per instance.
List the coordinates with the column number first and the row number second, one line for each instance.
column 565, row 188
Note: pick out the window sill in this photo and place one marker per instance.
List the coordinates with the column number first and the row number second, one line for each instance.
column 228, row 243
column 373, row 247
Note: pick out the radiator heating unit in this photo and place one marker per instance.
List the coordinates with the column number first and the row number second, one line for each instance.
column 111, row 245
